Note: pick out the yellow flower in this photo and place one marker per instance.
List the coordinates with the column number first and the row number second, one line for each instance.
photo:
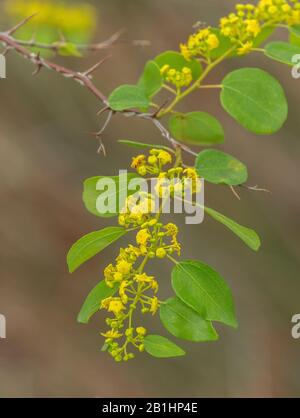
column 171, row 229
column 142, row 170
column 180, row 78
column 252, row 27
column 272, row 10
column 154, row 305
column 144, row 278
column 111, row 334
column 190, row 172
column 133, row 250
column 213, row 41
column 122, row 220
column 116, row 306
column 244, row 49
column 122, row 291
column 154, row 286
column 124, row 267
column 138, row 161
column 286, row 8
column 152, row 160
column 165, row 68
column 108, row 272
column 185, row 52
column 141, row 331
column 164, row 157
column 200, row 43
column 161, row 253
column 105, row 303
column 118, row 276
column 142, row 237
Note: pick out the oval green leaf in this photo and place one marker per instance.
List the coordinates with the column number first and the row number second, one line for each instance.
column 282, row 52
column 263, row 35
column 204, row 290
column 254, row 99
column 295, row 30
column 151, row 80
column 176, row 60
column 161, row 347
column 294, row 39
column 91, row 193
column 220, row 168
column 247, row 235
column 91, row 244
column 128, row 97
column 198, row 128
column 185, row 323
column 93, row 301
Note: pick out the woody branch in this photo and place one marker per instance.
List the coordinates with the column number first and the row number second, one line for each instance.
column 83, row 78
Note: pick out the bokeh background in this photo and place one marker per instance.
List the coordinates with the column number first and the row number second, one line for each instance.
column 46, row 153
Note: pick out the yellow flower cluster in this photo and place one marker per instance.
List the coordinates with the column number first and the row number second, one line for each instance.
column 134, row 288
column 61, row 16
column 153, row 164
column 279, row 11
column 178, row 78
column 243, row 27
column 177, row 181
column 200, row 44
column 137, row 210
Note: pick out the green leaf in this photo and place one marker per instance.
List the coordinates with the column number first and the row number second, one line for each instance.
column 294, row 39
column 263, row 35
column 128, row 97
column 183, row 322
column 204, row 290
column 197, row 128
column 91, row 193
column 249, row 236
column 295, row 30
column 220, row 168
column 69, row 49
column 161, row 347
column 93, row 301
column 177, row 61
column 282, row 52
column 91, row 244
column 255, row 99
column 142, row 145
column 151, row 80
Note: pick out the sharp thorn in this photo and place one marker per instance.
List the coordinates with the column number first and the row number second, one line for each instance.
column 37, row 70
column 94, row 67
column 19, row 25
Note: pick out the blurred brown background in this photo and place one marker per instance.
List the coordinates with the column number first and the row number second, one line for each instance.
column 46, row 153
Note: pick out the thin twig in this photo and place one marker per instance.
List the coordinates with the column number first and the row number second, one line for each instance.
column 85, row 80
column 93, row 47
column 255, row 188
